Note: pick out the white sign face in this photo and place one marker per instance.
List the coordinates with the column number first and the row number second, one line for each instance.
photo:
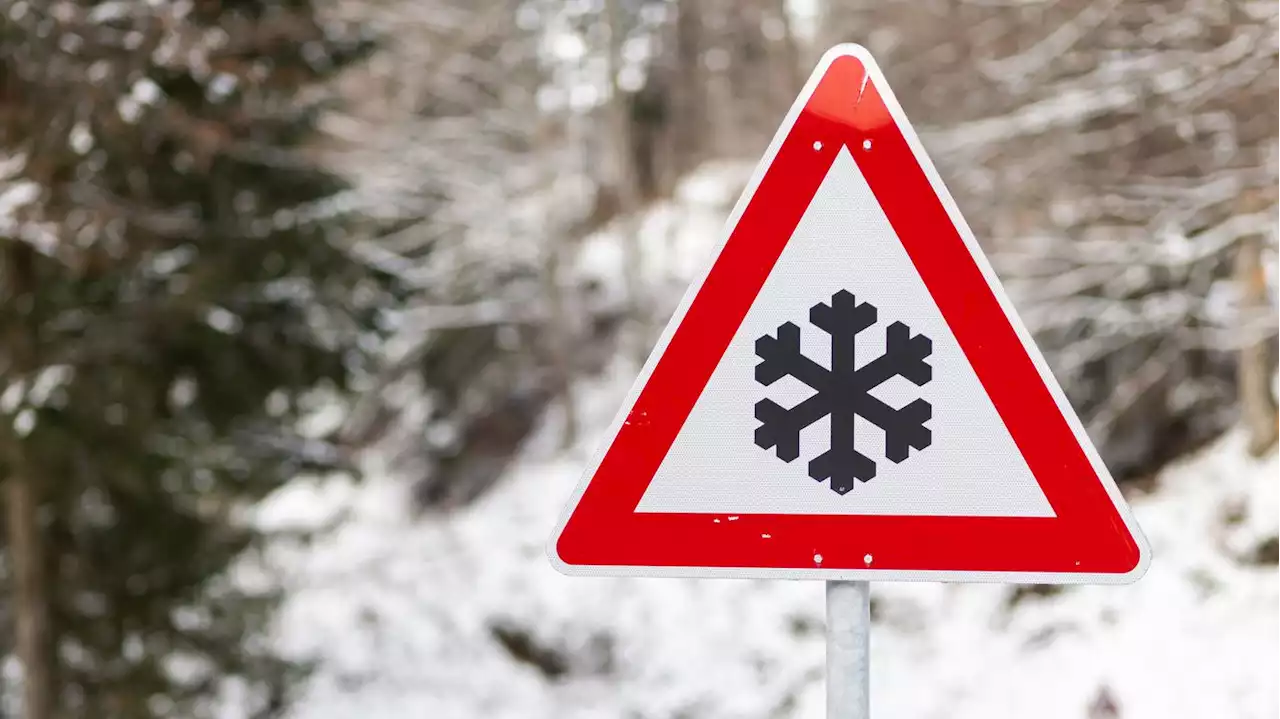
column 972, row 466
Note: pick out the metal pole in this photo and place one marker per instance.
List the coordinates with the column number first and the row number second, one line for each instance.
column 848, row 650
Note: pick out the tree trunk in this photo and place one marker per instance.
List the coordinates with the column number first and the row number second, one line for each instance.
column 1257, row 406
column 678, row 80
column 794, row 71
column 26, row 551
column 30, row 602
column 628, row 201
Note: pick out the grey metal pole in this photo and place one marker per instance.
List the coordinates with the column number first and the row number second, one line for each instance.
column 848, row 650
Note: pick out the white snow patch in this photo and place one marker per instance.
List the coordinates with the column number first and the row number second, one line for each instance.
column 109, row 11
column 81, row 138
column 677, row 236
column 145, row 91
column 17, row 195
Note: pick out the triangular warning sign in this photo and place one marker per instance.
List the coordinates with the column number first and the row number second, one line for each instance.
column 847, row 393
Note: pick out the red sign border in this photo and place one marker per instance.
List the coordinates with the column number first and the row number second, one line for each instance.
column 1092, row 537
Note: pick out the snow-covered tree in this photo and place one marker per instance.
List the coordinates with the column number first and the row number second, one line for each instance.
column 494, row 137
column 1117, row 157
column 171, row 306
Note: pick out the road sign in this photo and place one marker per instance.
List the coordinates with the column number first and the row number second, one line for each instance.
column 847, row 393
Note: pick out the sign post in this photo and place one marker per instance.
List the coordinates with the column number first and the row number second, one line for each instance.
column 848, row 650
column 847, row 394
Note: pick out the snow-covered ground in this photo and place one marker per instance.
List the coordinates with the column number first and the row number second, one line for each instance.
column 462, row 616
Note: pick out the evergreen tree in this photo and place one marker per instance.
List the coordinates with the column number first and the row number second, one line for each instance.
column 174, row 296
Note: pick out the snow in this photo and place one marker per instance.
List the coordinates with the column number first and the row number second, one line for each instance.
column 678, row 235
column 109, row 11
column 19, row 202
column 17, row 195
column 462, row 616
column 403, row 615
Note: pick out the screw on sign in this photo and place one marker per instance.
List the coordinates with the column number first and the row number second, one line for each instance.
column 950, row 452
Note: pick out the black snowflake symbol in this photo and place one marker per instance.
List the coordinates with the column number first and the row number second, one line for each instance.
column 843, row 392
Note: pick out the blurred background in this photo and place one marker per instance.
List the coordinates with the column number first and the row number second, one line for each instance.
column 311, row 314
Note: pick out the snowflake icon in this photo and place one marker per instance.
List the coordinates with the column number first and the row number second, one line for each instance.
column 843, row 392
